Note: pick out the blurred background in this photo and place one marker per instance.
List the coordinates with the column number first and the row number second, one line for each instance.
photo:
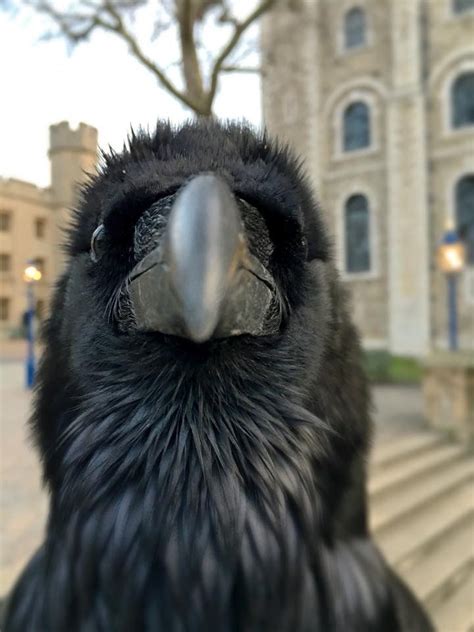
column 377, row 97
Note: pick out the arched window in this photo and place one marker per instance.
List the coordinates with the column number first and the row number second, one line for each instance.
column 357, row 234
column 465, row 214
column 354, row 28
column 462, row 100
column 459, row 6
column 356, row 123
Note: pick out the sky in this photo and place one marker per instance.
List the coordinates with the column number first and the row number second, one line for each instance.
column 43, row 82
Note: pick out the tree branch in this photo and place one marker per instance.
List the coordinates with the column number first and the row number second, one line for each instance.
column 187, row 14
column 243, row 69
column 110, row 16
column 239, row 29
column 138, row 53
column 66, row 21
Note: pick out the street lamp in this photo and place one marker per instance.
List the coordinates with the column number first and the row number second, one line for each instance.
column 451, row 258
column 31, row 275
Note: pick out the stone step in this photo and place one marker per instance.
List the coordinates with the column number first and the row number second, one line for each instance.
column 416, row 466
column 405, row 541
column 455, row 613
column 436, row 574
column 394, row 507
column 426, row 549
column 397, row 449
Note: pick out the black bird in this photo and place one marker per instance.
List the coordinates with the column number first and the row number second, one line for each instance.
column 201, row 411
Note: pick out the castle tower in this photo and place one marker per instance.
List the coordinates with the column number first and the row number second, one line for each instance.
column 361, row 92
column 290, row 82
column 73, row 154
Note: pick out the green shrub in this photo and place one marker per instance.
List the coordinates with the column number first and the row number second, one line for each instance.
column 382, row 367
column 404, row 369
column 376, row 364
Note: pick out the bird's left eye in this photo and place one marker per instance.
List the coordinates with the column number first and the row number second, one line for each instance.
column 97, row 243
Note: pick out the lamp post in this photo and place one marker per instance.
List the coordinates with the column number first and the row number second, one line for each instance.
column 451, row 257
column 31, row 275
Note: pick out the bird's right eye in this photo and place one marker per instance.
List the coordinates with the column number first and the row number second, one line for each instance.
column 97, row 243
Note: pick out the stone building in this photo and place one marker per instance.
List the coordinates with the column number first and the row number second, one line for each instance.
column 32, row 219
column 378, row 97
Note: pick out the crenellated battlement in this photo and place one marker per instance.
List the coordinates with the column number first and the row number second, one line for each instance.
column 62, row 137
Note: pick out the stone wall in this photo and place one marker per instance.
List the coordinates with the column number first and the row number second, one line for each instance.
column 25, row 204
column 450, row 51
column 407, row 191
column 448, row 394
column 410, row 168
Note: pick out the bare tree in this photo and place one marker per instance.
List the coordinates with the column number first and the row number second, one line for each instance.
column 200, row 69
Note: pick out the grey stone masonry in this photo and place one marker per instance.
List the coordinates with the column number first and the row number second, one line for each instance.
column 412, row 52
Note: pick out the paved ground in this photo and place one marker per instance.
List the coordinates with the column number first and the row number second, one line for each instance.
column 397, row 409
column 23, row 502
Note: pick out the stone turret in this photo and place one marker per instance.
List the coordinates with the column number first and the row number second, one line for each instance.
column 73, row 154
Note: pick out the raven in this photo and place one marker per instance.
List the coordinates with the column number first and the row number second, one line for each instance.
column 201, row 412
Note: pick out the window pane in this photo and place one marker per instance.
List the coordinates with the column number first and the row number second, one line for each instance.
column 354, row 28
column 459, row 6
column 357, row 234
column 462, row 100
column 40, row 226
column 5, row 263
column 4, row 221
column 465, row 214
column 356, row 126
column 4, row 308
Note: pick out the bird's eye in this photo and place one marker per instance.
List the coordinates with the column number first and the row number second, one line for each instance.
column 97, row 243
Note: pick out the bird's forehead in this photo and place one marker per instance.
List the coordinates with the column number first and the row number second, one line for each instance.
column 138, row 185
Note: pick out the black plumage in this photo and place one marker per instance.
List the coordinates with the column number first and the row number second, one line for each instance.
column 210, row 481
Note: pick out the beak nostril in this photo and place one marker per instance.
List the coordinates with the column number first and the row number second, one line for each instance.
column 206, row 283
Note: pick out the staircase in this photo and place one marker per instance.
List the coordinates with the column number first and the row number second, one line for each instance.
column 422, row 515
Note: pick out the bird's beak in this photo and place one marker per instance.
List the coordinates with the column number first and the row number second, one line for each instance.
column 201, row 282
